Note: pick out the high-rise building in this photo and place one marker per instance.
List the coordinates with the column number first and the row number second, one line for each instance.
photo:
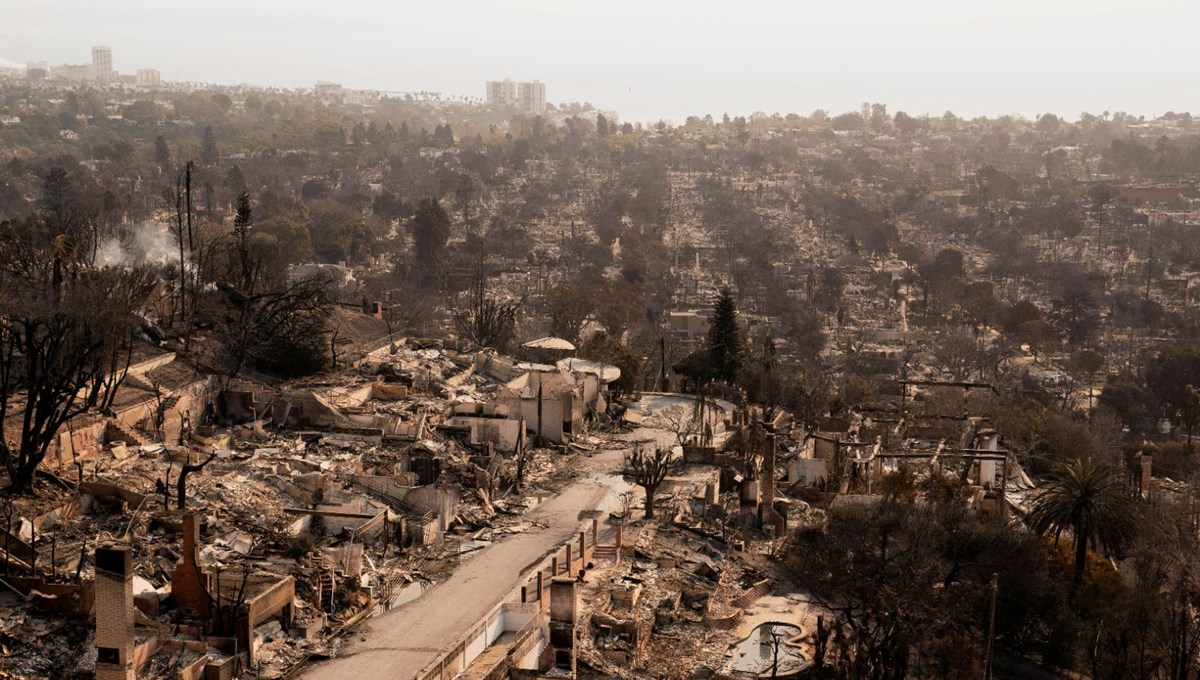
column 37, row 70
column 501, row 93
column 148, row 77
column 328, row 90
column 102, row 64
column 72, row 73
column 531, row 97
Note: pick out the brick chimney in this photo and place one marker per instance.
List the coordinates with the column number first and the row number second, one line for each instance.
column 114, row 614
column 189, row 584
column 1147, row 462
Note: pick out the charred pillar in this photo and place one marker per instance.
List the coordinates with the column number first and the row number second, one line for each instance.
column 563, row 617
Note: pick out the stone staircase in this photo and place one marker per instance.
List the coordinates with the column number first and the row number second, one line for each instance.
column 116, row 432
column 169, row 402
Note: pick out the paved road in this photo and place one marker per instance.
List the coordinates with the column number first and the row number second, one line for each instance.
column 401, row 642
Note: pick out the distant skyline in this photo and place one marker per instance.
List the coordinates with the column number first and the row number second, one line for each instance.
column 663, row 59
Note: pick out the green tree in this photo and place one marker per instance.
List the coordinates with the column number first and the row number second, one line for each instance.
column 465, row 191
column 162, row 153
column 291, row 238
column 904, row 585
column 724, row 340
column 1131, row 401
column 235, row 181
column 431, row 231
column 1087, row 364
column 209, row 154
column 601, row 347
column 849, row 121
column 242, row 222
column 1089, row 500
column 443, row 136
column 1173, row 375
column 1077, row 316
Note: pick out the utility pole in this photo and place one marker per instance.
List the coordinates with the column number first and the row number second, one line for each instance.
column 989, row 663
column 539, row 410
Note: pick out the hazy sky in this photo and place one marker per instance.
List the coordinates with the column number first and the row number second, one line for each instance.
column 651, row 59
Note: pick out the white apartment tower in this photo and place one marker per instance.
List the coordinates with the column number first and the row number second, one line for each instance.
column 501, row 93
column 531, row 97
column 102, row 64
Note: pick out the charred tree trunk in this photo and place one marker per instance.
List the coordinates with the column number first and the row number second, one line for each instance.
column 181, row 482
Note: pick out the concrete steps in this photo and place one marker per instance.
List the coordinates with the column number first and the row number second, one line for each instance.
column 605, row 552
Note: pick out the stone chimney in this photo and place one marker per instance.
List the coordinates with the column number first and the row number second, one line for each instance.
column 768, row 473
column 114, row 614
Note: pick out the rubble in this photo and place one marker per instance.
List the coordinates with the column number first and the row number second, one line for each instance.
column 259, row 529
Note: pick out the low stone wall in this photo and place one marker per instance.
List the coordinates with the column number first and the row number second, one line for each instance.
column 728, row 622
column 753, row 593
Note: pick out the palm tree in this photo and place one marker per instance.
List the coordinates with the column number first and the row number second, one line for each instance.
column 1092, row 501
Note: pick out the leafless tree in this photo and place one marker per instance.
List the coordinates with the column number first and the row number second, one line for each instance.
column 483, row 318
column 59, row 346
column 416, row 306
column 158, row 412
column 285, row 327
column 648, row 470
column 681, row 421
column 179, row 230
column 334, row 336
column 957, row 352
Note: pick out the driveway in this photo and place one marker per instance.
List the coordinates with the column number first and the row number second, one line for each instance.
column 398, row 644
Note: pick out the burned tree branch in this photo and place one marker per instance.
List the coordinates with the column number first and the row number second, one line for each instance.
column 648, row 470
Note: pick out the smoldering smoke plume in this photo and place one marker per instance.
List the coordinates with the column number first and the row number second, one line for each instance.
column 146, row 243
